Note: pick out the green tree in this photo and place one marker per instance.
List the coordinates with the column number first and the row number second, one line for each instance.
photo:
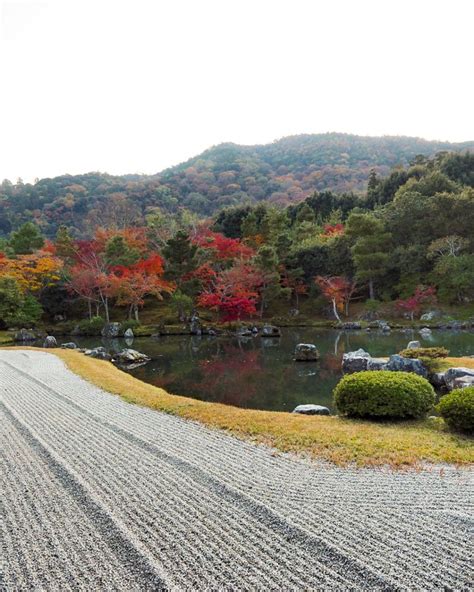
column 26, row 239
column 182, row 304
column 181, row 260
column 64, row 242
column 370, row 250
column 119, row 252
column 16, row 309
column 267, row 261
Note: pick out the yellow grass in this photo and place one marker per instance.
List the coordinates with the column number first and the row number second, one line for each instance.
column 334, row 439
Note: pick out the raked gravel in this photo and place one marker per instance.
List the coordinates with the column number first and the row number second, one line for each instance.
column 98, row 494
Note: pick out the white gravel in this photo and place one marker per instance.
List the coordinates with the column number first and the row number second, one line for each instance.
column 98, row 494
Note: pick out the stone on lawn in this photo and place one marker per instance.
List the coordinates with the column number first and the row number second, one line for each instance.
column 50, row 341
column 69, row 345
column 398, row 363
column 413, row 345
column 452, row 374
column 312, row 410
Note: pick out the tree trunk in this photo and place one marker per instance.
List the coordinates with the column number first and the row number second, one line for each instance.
column 336, row 314
column 136, row 314
column 89, row 308
column 371, row 289
column 106, row 306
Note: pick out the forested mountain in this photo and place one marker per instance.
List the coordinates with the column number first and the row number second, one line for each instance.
column 283, row 172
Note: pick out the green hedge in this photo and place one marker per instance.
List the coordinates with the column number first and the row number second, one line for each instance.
column 384, row 394
column 457, row 409
column 425, row 352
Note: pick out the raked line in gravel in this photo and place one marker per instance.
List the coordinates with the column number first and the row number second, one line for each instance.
column 98, row 494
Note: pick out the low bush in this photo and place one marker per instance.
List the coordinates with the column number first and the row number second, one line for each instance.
column 425, row 352
column 384, row 394
column 457, row 409
column 91, row 327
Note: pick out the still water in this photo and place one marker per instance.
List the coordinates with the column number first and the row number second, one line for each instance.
column 260, row 373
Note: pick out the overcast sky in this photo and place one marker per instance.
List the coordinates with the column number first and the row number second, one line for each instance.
column 136, row 86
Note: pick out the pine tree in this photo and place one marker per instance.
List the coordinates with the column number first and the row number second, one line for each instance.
column 26, row 239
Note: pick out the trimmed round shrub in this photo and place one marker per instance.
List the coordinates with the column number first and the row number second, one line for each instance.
column 457, row 409
column 384, row 394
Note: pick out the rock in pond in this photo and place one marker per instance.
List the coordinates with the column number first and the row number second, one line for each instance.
column 398, row 363
column 244, row 332
column 351, row 326
column 355, row 361
column 50, row 341
column 452, row 376
column 98, row 352
column 306, row 352
column 425, row 332
column 24, row 335
column 111, row 330
column 312, row 410
column 413, row 345
column 130, row 356
column 129, row 334
column 271, row 331
column 69, row 345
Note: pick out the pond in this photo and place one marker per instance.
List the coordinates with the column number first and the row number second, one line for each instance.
column 260, row 373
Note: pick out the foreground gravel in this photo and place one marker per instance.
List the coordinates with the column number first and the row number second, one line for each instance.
column 98, row 494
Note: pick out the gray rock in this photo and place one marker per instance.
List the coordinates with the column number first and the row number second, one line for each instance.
column 463, row 382
column 398, row 363
column 306, row 352
column 212, row 332
column 195, row 325
column 24, row 335
column 130, row 356
column 384, row 326
column 413, row 345
column 355, row 361
column 129, row 334
column 312, row 410
column 244, row 332
column 271, row 331
column 430, row 315
column 69, row 345
column 425, row 331
column 50, row 341
column 438, row 379
column 351, row 326
column 99, row 353
column 376, row 364
column 111, row 330
column 452, row 374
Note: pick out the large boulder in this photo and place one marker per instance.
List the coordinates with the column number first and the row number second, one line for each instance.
column 306, row 352
column 311, row 410
column 111, row 330
column 453, row 374
column 463, row 382
column 398, row 363
column 377, row 364
column 24, row 335
column 438, row 380
column 271, row 331
column 130, row 356
column 355, row 361
column 414, row 345
column 50, row 341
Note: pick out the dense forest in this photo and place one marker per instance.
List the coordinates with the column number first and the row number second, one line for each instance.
column 281, row 173
column 406, row 241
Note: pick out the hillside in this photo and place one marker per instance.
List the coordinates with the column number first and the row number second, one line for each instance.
column 283, row 172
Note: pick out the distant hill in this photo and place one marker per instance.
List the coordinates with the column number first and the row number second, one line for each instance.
column 285, row 171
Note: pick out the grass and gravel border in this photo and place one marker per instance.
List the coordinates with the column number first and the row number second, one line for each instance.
column 334, row 439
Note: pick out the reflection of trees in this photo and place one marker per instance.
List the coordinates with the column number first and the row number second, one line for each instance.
column 231, row 379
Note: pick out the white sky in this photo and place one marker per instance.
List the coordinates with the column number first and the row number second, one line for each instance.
column 136, row 86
